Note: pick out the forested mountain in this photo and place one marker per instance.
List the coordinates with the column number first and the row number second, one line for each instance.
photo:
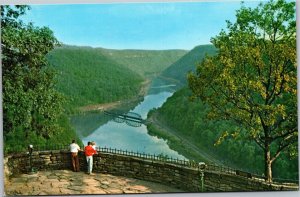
column 94, row 75
column 147, row 63
column 188, row 119
column 86, row 76
column 178, row 70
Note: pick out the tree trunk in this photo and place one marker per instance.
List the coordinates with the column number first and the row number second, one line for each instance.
column 268, row 163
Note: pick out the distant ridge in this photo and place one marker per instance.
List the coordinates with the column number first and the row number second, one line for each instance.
column 147, row 63
column 177, row 71
column 86, row 76
column 89, row 76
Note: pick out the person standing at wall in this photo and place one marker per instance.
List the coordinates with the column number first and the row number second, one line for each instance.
column 89, row 152
column 74, row 148
column 93, row 145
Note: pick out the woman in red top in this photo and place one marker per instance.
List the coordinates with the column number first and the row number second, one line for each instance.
column 89, row 152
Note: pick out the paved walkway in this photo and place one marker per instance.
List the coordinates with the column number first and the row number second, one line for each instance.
column 63, row 182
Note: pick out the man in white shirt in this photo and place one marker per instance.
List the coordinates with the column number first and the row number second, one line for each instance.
column 74, row 148
column 93, row 144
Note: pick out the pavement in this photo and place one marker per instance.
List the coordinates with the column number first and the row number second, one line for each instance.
column 67, row 182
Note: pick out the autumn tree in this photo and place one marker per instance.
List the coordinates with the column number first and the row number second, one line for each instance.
column 252, row 80
column 31, row 105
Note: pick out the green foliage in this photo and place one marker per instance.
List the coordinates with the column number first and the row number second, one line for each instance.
column 189, row 119
column 147, row 63
column 177, row 71
column 65, row 135
column 10, row 15
column 17, row 141
column 252, row 80
column 32, row 108
column 88, row 77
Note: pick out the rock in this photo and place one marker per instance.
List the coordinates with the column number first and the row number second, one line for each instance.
column 105, row 183
column 126, row 191
column 75, row 188
column 114, row 191
column 51, row 177
column 139, row 188
column 66, row 182
column 104, row 186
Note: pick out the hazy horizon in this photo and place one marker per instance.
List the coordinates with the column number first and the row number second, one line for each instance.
column 143, row 26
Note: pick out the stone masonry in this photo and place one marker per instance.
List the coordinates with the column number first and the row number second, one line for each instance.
column 174, row 175
column 66, row 182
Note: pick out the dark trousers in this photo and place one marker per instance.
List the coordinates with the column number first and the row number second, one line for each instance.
column 75, row 162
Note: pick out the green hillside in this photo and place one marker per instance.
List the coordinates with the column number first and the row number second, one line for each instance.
column 86, row 76
column 147, row 63
column 178, row 70
column 188, row 119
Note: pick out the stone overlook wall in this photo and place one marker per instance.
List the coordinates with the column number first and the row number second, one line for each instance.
column 179, row 175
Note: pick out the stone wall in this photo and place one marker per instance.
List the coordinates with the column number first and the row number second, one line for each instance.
column 42, row 160
column 182, row 177
column 157, row 171
column 216, row 181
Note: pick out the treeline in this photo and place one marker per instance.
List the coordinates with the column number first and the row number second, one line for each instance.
column 189, row 119
column 177, row 71
column 33, row 111
column 86, row 77
column 90, row 76
column 44, row 82
column 147, row 63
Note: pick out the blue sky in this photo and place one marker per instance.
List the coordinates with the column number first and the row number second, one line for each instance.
column 177, row 25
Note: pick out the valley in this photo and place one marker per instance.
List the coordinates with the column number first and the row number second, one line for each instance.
column 131, row 78
column 195, row 141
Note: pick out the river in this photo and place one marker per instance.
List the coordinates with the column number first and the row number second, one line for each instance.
column 122, row 136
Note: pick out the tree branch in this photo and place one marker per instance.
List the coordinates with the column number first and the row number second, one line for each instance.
column 284, row 135
column 282, row 147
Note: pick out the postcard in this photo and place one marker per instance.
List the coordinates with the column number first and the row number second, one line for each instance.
column 161, row 97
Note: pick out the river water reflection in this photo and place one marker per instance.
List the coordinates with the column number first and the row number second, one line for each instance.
column 124, row 137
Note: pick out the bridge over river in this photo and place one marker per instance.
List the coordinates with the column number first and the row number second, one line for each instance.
column 130, row 118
